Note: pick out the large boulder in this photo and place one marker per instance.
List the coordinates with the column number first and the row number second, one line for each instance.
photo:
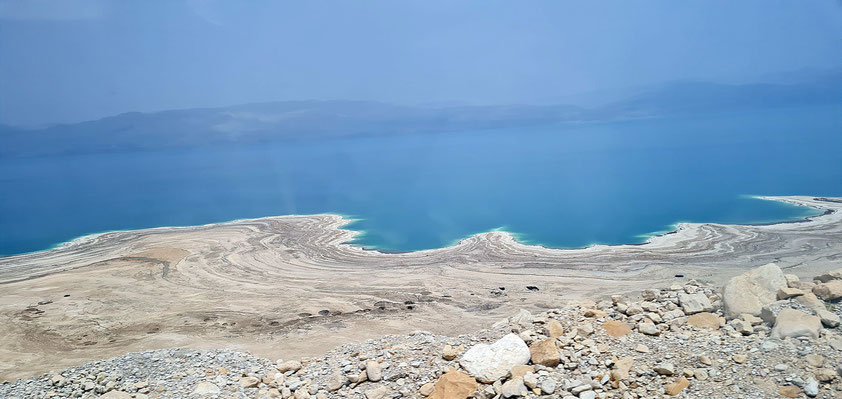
column 752, row 290
column 829, row 291
column 489, row 363
column 795, row 323
column 454, row 385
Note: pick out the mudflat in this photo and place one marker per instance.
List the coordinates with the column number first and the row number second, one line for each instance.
column 289, row 286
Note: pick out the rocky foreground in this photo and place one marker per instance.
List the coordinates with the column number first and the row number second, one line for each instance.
column 764, row 334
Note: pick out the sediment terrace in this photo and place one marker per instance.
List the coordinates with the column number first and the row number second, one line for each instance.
column 290, row 286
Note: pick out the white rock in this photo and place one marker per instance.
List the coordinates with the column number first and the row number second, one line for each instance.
column 514, row 387
column 205, row 388
column 752, row 290
column 795, row 323
column 489, row 363
column 694, row 303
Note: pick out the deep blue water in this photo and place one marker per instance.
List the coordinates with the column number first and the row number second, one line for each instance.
column 560, row 186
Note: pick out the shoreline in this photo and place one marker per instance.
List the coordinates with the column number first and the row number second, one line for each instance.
column 87, row 238
column 292, row 286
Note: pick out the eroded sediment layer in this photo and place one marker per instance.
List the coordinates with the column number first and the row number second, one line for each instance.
column 289, row 285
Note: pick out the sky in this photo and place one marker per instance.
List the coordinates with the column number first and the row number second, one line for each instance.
column 74, row 60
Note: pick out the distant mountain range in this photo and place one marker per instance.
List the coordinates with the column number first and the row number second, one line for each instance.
column 310, row 120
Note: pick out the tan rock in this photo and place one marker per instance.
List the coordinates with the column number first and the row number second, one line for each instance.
column 641, row 348
column 427, row 389
column 825, row 375
column 795, row 323
column 615, row 328
column 829, row 291
column 596, row 313
column 788, row 292
column 373, row 371
column 449, row 352
column 811, row 301
column 521, row 370
column 622, row 368
column 704, row 320
column 831, row 275
column 545, row 353
column 374, row 393
column 739, row 358
column 676, row 387
column 789, row 391
column 751, row 319
column 249, row 382
column 454, row 385
column 291, row 365
column 554, row 329
column 115, row 395
column 814, row 360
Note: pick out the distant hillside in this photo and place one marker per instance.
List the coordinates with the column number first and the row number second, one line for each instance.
column 309, row 120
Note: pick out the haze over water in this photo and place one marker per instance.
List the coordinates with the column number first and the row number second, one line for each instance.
column 561, row 186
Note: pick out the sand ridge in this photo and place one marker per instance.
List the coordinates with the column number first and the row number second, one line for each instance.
column 291, row 286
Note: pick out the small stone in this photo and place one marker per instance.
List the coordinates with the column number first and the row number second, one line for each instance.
column 825, row 375
column 704, row 359
column 694, row 303
column 829, row 291
column 514, row 388
column 665, row 368
column 814, row 360
column 548, row 386
column 521, row 370
column 811, row 387
column 545, row 353
column 622, row 368
column 829, row 319
column 704, row 320
column 249, row 382
column 372, row 371
column 291, row 365
column 335, row 381
column 675, row 388
column 554, row 329
column 427, row 389
column 587, row 395
column 489, row 363
column 453, row 385
column 788, row 292
column 739, row 358
column 375, row 393
column 641, row 348
column 449, row 353
column 530, row 380
column 789, row 391
column 116, row 395
column 615, row 328
column 648, row 328
column 206, row 388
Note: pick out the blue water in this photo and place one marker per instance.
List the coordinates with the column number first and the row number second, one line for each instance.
column 559, row 186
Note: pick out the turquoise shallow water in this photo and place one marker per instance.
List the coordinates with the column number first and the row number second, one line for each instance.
column 559, row 186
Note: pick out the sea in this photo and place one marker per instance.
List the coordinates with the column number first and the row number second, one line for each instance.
column 564, row 186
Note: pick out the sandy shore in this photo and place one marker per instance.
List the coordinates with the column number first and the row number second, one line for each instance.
column 288, row 286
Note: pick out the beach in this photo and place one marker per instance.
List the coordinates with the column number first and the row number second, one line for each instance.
column 291, row 286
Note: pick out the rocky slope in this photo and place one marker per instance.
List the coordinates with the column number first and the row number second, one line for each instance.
column 765, row 334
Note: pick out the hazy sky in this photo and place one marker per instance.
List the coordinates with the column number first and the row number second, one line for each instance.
column 72, row 60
